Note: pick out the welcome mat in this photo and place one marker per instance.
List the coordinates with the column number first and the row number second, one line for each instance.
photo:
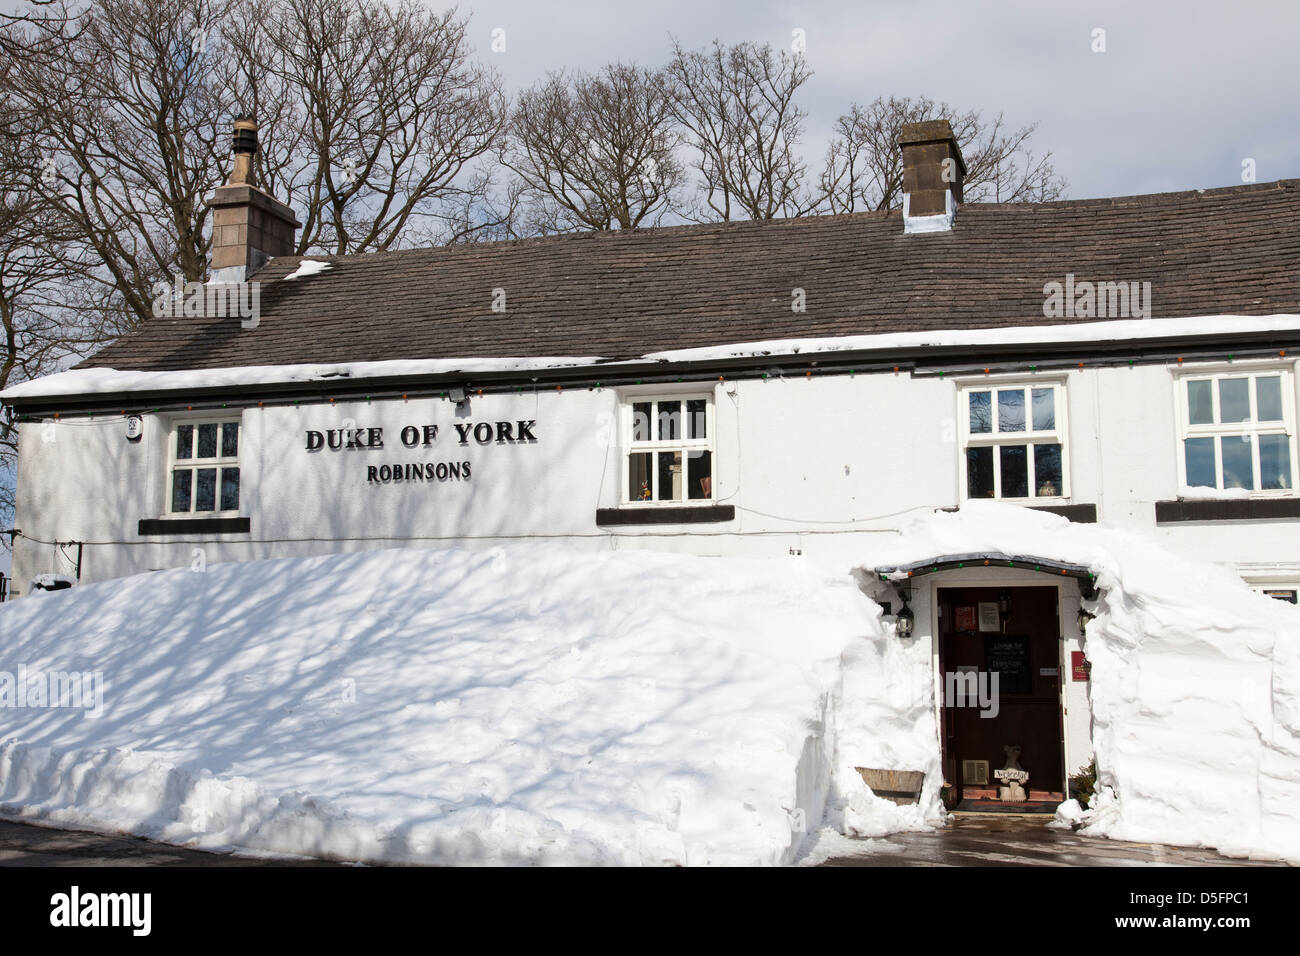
column 1005, row 806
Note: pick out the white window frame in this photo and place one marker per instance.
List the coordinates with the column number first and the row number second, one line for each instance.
column 630, row 447
column 1280, row 586
column 1253, row 427
column 194, row 464
column 1059, row 435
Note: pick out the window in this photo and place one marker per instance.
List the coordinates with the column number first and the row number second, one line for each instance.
column 204, row 473
column 1013, row 441
column 1238, row 431
column 669, row 444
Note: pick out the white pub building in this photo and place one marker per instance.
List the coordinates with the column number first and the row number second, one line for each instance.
column 793, row 388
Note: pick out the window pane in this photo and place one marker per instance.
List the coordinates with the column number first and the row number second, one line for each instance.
column 670, row 476
column 229, row 489
column 979, row 472
column 1015, row 471
column 1234, row 400
column 205, row 490
column 1268, row 398
column 1200, row 462
column 181, row 479
column 1274, row 462
column 1011, row 410
column 229, row 440
column 638, row 475
column 1044, row 400
column 641, row 412
column 184, row 441
column 1237, row 470
column 670, row 421
column 1200, row 402
column 699, row 472
column 1047, row 471
column 981, row 412
column 207, row 441
column 697, row 417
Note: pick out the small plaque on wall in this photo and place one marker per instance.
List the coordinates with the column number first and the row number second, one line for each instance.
column 990, row 622
column 1079, row 666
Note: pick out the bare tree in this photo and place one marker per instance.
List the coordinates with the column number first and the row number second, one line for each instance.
column 864, row 167
column 44, row 26
column 54, row 303
column 373, row 119
column 597, row 151
column 373, row 116
column 738, row 105
column 131, row 140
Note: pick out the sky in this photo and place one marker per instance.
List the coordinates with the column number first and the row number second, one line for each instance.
column 1183, row 94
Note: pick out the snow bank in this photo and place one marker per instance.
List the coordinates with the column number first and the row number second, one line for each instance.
column 529, row 704
column 1195, row 682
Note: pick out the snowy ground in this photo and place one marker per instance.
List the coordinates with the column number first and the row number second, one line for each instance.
column 535, row 704
column 521, row 705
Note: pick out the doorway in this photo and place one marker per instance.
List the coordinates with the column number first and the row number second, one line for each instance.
column 1006, row 640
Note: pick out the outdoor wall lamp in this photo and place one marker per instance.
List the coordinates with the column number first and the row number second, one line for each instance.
column 904, row 620
column 1004, row 607
column 1084, row 618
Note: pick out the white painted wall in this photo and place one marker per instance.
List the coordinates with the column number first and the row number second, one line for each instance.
column 824, row 465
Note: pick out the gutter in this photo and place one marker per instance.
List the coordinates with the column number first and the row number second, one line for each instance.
column 920, row 362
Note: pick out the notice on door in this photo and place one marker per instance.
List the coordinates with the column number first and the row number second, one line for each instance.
column 990, row 620
column 1009, row 657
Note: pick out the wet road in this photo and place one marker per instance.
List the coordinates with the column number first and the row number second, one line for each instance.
column 24, row 845
column 981, row 840
column 989, row 840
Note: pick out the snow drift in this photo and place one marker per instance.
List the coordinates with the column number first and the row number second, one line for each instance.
column 1195, row 682
column 536, row 704
column 529, row 704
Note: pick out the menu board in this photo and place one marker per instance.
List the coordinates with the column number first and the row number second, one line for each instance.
column 1008, row 655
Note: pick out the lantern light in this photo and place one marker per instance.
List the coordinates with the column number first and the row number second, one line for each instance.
column 1084, row 617
column 905, row 620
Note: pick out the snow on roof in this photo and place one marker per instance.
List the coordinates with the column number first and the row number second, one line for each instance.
column 90, row 381
column 1114, row 331
column 308, row 267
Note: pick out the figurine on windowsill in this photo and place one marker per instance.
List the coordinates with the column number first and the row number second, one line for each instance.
column 645, row 491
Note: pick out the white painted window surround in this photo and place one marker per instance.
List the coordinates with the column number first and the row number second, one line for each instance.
column 203, row 476
column 1236, row 430
column 668, row 443
column 1014, row 440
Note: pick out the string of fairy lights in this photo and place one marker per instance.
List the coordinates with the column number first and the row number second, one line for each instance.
column 767, row 372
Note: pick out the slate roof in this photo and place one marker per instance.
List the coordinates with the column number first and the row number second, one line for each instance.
column 1234, row 250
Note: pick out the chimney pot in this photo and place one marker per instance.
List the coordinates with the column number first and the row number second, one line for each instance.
column 245, row 140
column 249, row 227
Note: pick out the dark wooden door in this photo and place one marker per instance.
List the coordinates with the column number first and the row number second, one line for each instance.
column 1025, row 654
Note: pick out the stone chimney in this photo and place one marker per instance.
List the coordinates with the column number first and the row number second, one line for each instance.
column 933, row 172
column 248, row 226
